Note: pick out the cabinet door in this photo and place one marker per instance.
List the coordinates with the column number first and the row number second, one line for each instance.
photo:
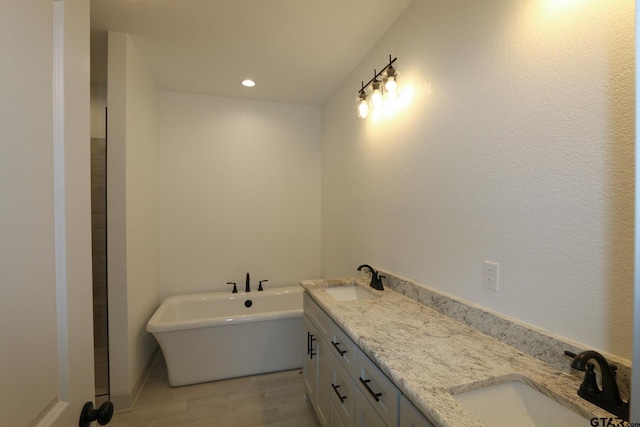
column 310, row 366
column 316, row 372
column 410, row 416
column 324, row 380
column 366, row 416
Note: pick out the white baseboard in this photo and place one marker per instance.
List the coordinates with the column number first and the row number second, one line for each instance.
column 125, row 402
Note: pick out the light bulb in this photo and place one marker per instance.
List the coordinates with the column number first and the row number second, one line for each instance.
column 362, row 106
column 376, row 95
column 391, row 83
column 390, row 87
column 363, row 109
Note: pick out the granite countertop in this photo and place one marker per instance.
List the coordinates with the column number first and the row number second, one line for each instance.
column 430, row 356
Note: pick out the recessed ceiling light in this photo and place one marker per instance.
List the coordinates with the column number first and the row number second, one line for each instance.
column 248, row 83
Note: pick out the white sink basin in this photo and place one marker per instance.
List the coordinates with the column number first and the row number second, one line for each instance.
column 514, row 404
column 349, row 293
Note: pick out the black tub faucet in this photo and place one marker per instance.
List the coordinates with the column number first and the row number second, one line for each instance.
column 247, row 286
column 609, row 397
column 376, row 279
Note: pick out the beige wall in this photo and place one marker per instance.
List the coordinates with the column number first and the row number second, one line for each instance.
column 132, row 221
column 512, row 142
column 239, row 192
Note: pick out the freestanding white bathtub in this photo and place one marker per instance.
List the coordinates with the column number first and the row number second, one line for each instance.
column 207, row 337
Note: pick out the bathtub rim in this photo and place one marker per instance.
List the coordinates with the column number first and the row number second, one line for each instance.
column 155, row 325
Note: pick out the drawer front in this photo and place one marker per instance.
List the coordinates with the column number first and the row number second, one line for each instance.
column 410, row 416
column 335, row 420
column 377, row 389
column 343, row 348
column 343, row 392
column 365, row 415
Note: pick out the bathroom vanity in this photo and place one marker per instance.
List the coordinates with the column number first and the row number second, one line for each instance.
column 378, row 358
column 345, row 387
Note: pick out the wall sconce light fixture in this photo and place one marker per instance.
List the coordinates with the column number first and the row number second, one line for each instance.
column 387, row 88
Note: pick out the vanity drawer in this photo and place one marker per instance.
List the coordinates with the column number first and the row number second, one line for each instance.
column 365, row 415
column 335, row 420
column 342, row 348
column 343, row 393
column 377, row 389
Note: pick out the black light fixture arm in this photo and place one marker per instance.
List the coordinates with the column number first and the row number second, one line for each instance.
column 375, row 77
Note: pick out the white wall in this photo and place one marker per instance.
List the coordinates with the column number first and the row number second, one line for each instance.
column 143, row 233
column 239, row 192
column 132, row 216
column 513, row 142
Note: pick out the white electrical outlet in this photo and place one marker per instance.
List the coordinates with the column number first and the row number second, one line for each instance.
column 490, row 276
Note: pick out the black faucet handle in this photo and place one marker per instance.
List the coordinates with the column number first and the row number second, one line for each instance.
column 589, row 383
column 235, row 290
column 260, row 284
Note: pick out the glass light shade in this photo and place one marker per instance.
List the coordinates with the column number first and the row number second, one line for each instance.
column 376, row 94
column 362, row 106
column 391, row 83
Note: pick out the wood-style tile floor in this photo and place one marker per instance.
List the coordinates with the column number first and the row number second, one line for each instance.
column 273, row 400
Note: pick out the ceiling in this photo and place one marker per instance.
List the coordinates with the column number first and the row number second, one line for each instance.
column 297, row 51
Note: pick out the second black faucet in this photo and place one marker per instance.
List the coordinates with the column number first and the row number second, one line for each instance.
column 376, row 279
column 609, row 396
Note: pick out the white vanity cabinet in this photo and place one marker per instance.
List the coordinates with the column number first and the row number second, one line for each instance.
column 345, row 387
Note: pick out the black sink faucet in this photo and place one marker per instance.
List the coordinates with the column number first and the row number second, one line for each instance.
column 609, row 397
column 247, row 285
column 376, row 279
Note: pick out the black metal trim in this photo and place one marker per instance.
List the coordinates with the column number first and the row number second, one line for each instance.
column 391, row 61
